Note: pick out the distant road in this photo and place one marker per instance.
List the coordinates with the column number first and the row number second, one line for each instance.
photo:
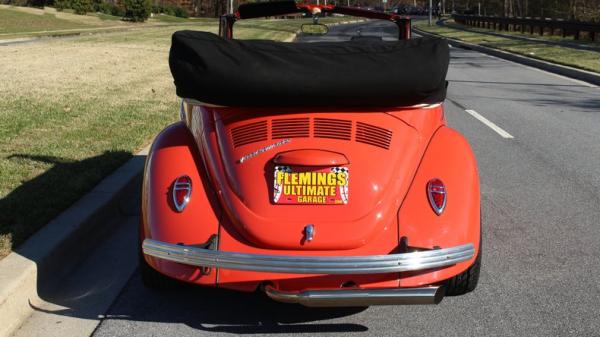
column 386, row 30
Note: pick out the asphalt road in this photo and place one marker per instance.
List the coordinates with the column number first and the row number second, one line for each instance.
column 536, row 137
column 373, row 29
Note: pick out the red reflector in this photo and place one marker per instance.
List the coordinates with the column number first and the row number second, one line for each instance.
column 182, row 190
column 436, row 193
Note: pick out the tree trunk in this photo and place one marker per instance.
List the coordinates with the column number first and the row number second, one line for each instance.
column 572, row 9
column 519, row 9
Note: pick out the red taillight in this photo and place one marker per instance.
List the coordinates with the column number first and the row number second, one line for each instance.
column 182, row 190
column 436, row 193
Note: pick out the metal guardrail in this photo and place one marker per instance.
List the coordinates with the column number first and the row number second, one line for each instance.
column 531, row 25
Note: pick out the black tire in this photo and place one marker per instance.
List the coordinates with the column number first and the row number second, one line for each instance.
column 466, row 281
column 151, row 278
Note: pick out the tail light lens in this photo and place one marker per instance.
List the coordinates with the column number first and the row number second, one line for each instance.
column 436, row 193
column 182, row 190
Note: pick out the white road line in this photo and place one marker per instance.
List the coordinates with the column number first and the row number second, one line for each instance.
column 491, row 125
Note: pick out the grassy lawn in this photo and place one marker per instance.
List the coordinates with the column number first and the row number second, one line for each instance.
column 583, row 59
column 15, row 21
column 72, row 111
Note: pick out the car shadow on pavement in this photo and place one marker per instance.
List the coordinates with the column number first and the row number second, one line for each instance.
column 218, row 310
column 221, row 310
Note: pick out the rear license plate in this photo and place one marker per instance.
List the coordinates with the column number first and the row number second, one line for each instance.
column 310, row 186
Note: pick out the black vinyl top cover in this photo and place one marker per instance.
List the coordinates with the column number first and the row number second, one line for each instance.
column 269, row 8
column 361, row 73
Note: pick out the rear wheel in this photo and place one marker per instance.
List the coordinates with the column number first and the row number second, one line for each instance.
column 466, row 281
column 150, row 277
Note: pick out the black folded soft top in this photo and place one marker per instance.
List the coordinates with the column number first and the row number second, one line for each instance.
column 361, row 73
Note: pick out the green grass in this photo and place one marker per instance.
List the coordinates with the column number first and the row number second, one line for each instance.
column 72, row 111
column 583, row 59
column 18, row 22
column 174, row 19
column 13, row 21
column 169, row 18
column 107, row 17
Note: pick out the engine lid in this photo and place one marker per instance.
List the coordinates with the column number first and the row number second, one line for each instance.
column 343, row 175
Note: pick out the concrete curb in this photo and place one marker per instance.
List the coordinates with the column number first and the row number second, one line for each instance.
column 291, row 38
column 346, row 22
column 60, row 245
column 578, row 74
column 61, row 35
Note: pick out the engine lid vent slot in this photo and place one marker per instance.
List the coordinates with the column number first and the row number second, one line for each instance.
column 249, row 133
column 332, row 128
column 373, row 135
column 290, row 128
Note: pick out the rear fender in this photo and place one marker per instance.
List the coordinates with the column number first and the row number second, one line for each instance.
column 174, row 153
column 449, row 158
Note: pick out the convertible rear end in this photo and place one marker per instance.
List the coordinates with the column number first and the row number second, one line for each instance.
column 295, row 178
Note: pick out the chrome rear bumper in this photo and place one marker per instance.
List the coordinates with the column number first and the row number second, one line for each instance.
column 359, row 297
column 372, row 264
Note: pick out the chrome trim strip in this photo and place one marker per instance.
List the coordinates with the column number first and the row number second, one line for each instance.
column 359, row 297
column 373, row 264
column 197, row 102
column 425, row 106
column 182, row 110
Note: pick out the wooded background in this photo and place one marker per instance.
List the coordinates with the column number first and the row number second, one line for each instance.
column 583, row 10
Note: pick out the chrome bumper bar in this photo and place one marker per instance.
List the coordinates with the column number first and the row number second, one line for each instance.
column 359, row 297
column 372, row 264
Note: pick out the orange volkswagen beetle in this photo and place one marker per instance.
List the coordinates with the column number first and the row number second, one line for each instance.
column 320, row 173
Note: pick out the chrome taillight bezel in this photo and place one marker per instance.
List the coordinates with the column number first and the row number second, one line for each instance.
column 181, row 183
column 437, row 186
